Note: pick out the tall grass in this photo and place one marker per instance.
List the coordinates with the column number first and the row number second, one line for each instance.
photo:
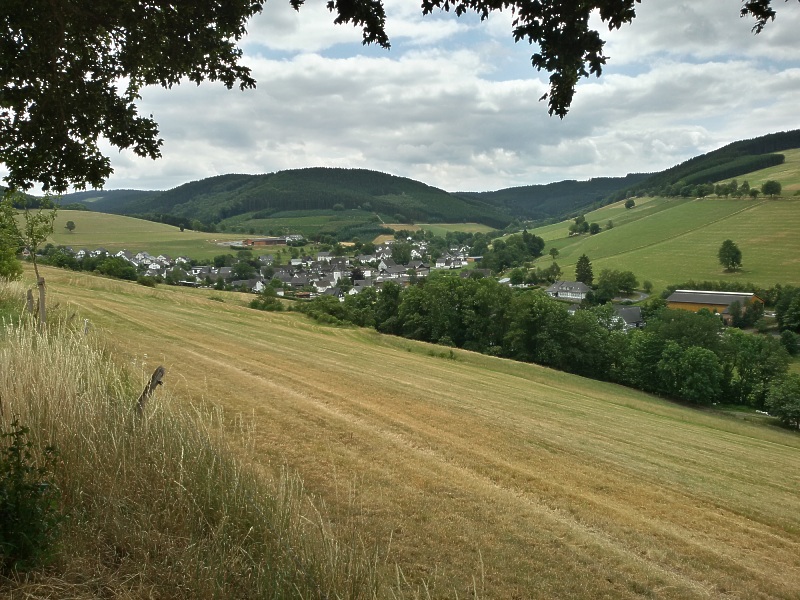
column 158, row 507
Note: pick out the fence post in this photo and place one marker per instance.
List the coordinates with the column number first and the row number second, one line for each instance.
column 155, row 381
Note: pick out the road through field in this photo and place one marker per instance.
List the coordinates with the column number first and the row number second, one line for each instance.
column 475, row 471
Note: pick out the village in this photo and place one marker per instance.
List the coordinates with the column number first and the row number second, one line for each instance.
column 327, row 273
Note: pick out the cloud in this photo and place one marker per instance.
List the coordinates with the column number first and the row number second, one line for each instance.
column 455, row 103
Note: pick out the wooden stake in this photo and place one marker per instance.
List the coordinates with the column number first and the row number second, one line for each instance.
column 155, row 381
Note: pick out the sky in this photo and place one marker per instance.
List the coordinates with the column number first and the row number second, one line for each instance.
column 455, row 102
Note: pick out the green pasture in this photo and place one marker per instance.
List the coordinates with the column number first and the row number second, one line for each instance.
column 307, row 223
column 668, row 241
column 442, row 229
column 116, row 232
column 788, row 174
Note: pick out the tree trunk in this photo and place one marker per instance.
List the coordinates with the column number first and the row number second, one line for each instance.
column 42, row 309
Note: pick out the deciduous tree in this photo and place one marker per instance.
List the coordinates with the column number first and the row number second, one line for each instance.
column 783, row 399
column 771, row 188
column 730, row 256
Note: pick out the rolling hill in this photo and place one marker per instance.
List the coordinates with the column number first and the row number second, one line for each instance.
column 216, row 199
column 734, row 160
column 670, row 240
column 555, row 200
column 528, row 482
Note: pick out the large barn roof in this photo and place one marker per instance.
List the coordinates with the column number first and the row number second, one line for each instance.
column 710, row 297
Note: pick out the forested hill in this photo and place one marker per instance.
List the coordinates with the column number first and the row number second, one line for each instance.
column 555, row 200
column 733, row 160
column 216, row 198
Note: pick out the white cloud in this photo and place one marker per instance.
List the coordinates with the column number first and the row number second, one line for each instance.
column 447, row 106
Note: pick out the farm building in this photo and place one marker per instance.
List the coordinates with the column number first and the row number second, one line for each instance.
column 716, row 302
column 267, row 241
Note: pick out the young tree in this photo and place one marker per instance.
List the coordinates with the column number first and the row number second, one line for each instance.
column 594, row 228
column 554, row 253
column 401, row 253
column 583, row 270
column 36, row 227
column 630, row 203
column 730, row 256
column 70, row 226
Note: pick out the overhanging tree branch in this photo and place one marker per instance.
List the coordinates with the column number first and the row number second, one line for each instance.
column 71, row 70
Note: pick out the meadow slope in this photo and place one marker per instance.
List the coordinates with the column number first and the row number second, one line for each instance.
column 530, row 482
column 670, row 240
column 116, row 232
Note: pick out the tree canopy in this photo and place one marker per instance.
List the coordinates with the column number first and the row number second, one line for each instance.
column 71, row 71
column 730, row 256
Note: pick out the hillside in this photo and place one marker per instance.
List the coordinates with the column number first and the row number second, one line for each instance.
column 555, row 200
column 216, row 199
column 670, row 240
column 527, row 481
column 107, row 201
column 118, row 232
column 734, row 160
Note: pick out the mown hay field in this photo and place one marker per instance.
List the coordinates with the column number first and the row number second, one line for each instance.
column 471, row 470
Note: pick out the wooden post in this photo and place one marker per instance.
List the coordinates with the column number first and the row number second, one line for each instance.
column 29, row 302
column 155, row 381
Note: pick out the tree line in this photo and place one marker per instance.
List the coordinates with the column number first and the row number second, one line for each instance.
column 681, row 355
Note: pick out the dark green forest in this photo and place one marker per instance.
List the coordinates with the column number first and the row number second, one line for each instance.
column 396, row 198
column 733, row 160
column 555, row 200
column 214, row 200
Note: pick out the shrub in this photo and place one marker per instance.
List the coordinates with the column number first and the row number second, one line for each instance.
column 29, row 515
column 266, row 303
column 146, row 281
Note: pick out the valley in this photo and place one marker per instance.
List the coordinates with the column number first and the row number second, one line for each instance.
column 527, row 481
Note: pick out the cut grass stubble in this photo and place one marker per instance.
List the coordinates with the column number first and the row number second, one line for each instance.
column 158, row 504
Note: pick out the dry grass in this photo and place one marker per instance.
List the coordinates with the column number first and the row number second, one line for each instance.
column 480, row 473
column 158, row 507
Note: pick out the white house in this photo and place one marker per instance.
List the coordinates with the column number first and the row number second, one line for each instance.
column 568, row 290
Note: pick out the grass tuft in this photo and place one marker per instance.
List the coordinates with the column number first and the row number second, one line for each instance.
column 157, row 506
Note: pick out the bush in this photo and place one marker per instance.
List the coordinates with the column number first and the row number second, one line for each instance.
column 29, row 515
column 146, row 281
column 266, row 303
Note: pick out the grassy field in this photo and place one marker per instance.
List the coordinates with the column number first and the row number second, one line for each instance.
column 671, row 240
column 527, row 482
column 788, row 174
column 441, row 229
column 667, row 240
column 307, row 223
column 116, row 232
